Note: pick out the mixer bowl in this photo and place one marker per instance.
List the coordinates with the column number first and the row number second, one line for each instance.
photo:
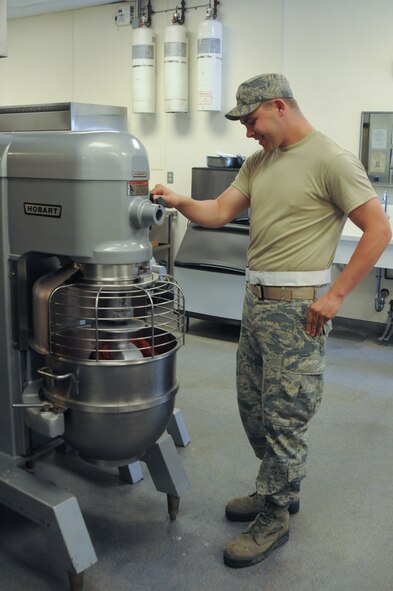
column 114, row 412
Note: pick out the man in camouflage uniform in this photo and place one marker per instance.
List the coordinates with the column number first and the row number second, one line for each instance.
column 300, row 190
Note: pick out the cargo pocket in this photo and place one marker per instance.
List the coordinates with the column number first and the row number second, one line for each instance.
column 293, row 391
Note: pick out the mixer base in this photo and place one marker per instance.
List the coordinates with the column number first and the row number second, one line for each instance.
column 58, row 511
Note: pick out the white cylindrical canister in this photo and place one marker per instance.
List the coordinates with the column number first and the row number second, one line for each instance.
column 143, row 71
column 209, row 62
column 176, row 69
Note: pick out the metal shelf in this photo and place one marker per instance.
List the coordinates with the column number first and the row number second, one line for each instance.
column 163, row 235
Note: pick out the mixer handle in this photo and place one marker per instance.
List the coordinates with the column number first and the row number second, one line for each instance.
column 48, row 373
column 160, row 201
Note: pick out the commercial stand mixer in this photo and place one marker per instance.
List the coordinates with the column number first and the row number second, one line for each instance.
column 89, row 329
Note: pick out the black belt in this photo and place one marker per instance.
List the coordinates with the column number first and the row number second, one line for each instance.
column 286, row 294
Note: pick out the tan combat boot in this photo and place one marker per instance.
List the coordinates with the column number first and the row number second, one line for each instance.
column 268, row 531
column 247, row 508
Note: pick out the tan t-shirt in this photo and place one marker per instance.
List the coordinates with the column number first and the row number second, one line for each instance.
column 300, row 197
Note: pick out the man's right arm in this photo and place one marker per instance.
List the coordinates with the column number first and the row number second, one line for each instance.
column 212, row 213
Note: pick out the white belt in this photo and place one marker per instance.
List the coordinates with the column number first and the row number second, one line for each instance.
column 288, row 278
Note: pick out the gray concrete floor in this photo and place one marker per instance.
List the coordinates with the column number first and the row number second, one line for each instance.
column 341, row 540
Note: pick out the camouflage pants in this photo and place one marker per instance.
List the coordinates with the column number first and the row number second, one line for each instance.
column 279, row 384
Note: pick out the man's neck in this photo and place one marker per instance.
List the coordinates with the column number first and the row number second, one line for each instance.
column 297, row 131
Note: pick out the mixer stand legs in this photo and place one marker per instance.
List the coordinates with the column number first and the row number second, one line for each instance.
column 131, row 473
column 167, row 472
column 177, row 429
column 58, row 511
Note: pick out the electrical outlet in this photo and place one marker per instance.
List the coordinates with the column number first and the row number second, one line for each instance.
column 169, row 177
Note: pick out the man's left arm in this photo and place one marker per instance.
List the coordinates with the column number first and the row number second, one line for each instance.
column 371, row 219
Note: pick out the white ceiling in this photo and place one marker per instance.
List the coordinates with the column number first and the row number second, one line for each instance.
column 23, row 8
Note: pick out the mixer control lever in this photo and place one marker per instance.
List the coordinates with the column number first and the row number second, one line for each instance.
column 44, row 406
column 160, row 201
column 29, row 405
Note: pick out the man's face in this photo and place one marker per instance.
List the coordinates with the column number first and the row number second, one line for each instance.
column 265, row 126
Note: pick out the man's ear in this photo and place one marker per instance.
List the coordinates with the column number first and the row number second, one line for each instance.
column 280, row 105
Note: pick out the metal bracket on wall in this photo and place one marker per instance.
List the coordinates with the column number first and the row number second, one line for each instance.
column 179, row 11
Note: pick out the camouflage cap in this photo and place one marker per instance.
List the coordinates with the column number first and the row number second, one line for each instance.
column 257, row 90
